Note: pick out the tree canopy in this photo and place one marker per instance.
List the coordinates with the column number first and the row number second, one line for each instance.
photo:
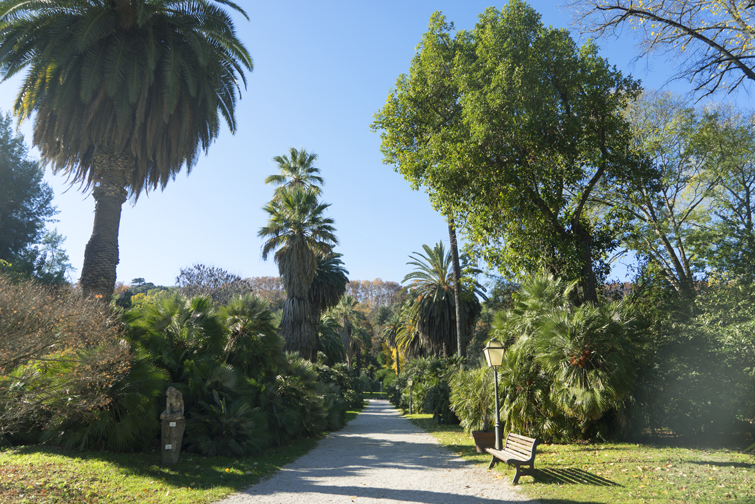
column 25, row 198
column 510, row 127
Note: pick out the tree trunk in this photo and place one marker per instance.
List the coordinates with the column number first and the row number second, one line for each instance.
column 98, row 274
column 398, row 362
column 460, row 350
column 589, row 285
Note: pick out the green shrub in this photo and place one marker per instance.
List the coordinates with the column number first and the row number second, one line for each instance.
column 473, row 398
column 227, row 428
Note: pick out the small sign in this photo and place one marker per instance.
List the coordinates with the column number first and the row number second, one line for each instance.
column 172, row 424
column 168, row 446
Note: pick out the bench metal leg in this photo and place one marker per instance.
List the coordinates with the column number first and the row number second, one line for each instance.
column 516, row 476
column 493, row 462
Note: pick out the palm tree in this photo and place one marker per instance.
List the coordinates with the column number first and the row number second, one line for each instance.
column 348, row 317
column 391, row 333
column 296, row 170
column 433, row 313
column 125, row 92
column 298, row 231
column 326, row 290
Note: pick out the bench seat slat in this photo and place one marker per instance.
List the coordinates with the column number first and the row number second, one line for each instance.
column 518, row 451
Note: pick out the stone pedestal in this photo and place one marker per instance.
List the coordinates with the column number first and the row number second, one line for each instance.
column 172, row 437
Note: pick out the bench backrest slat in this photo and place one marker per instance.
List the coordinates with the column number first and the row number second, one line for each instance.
column 522, row 445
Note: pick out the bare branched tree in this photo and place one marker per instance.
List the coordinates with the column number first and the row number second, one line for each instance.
column 713, row 42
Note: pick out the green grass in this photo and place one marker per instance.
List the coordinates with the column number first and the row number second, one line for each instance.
column 620, row 473
column 38, row 474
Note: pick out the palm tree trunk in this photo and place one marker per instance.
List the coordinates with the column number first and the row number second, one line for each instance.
column 98, row 274
column 398, row 362
column 460, row 350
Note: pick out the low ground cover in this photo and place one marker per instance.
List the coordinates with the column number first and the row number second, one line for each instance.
column 37, row 474
column 620, row 473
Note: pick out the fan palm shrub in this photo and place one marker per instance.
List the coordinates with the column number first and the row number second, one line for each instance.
column 297, row 229
column 566, row 365
column 472, row 398
column 123, row 94
column 253, row 345
column 177, row 329
column 230, row 428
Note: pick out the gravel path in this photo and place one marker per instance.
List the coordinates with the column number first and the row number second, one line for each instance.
column 380, row 457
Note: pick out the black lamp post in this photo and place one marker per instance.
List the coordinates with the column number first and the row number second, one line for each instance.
column 410, row 382
column 494, row 355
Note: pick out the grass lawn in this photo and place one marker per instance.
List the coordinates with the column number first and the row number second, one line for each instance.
column 620, row 473
column 37, row 474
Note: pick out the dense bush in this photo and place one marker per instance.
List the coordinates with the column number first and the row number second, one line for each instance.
column 698, row 377
column 430, row 390
column 568, row 369
column 242, row 393
column 60, row 356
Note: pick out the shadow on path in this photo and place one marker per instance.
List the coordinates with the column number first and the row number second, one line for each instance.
column 379, row 457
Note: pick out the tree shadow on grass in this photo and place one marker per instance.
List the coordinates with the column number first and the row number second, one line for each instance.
column 717, row 463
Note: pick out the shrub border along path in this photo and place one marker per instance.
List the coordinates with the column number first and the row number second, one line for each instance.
column 619, row 473
column 37, row 474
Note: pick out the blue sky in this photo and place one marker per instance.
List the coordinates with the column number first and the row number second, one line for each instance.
column 321, row 70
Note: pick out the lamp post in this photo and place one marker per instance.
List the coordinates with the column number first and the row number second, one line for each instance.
column 410, row 382
column 494, row 355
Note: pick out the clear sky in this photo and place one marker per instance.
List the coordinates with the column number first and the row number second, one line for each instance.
column 321, row 70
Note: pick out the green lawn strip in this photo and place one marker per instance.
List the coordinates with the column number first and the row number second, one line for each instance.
column 37, row 474
column 619, row 473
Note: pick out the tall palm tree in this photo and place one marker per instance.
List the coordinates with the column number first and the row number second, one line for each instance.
column 125, row 92
column 298, row 231
column 392, row 330
column 296, row 170
column 348, row 318
column 433, row 313
column 328, row 285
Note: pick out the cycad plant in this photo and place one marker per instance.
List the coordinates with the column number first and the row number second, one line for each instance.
column 123, row 94
column 297, row 230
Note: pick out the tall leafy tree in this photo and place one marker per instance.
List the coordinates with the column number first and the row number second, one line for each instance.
column 726, row 237
column 510, row 127
column 297, row 231
column 124, row 93
column 296, row 170
column 433, row 315
column 25, row 198
column 674, row 139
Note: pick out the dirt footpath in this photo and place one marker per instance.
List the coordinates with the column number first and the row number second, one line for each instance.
column 380, row 457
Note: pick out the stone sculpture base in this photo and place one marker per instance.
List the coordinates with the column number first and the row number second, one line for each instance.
column 172, row 437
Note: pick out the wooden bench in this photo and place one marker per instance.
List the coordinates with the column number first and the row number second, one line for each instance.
column 518, row 451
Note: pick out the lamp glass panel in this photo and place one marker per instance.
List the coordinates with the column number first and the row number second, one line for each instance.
column 494, row 353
